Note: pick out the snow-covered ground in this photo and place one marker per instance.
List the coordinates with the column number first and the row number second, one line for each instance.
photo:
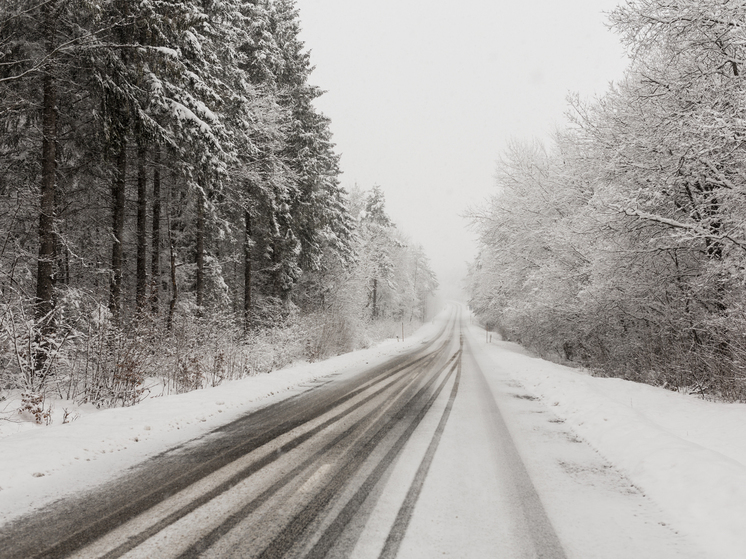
column 687, row 454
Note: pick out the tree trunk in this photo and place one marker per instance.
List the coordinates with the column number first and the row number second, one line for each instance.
column 375, row 298
column 141, row 289
column 45, row 273
column 247, row 271
column 200, row 248
column 172, row 260
column 155, row 255
column 67, row 266
column 61, row 272
column 45, row 264
column 117, row 227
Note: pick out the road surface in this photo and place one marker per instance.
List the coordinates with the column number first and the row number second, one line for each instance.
column 424, row 456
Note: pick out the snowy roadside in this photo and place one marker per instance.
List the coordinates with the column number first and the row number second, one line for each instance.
column 686, row 454
column 39, row 464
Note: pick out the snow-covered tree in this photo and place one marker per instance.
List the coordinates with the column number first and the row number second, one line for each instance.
column 190, row 125
column 622, row 245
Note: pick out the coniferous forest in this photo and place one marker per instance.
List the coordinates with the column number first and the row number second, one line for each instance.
column 621, row 245
column 171, row 206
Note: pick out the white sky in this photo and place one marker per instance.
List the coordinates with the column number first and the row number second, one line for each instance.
column 424, row 96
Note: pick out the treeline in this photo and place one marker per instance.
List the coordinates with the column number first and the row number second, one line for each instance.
column 166, row 181
column 622, row 246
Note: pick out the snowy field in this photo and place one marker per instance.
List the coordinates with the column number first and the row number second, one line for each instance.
column 686, row 454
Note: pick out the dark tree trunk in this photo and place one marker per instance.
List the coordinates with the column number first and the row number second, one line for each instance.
column 276, row 270
column 172, row 261
column 155, row 260
column 62, row 270
column 141, row 289
column 247, row 271
column 117, row 226
column 45, row 272
column 200, row 248
column 375, row 298
column 66, row 264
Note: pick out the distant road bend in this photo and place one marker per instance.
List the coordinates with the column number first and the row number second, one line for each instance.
column 371, row 465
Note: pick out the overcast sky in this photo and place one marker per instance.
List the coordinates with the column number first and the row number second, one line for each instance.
column 424, row 96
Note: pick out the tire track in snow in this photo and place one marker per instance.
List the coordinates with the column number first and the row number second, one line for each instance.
column 399, row 529
column 294, row 533
column 330, row 537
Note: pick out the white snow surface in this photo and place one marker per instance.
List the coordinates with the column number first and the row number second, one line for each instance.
column 687, row 454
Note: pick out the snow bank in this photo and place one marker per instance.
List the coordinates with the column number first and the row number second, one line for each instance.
column 687, row 454
column 41, row 463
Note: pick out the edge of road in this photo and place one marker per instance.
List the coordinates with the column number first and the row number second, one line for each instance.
column 543, row 534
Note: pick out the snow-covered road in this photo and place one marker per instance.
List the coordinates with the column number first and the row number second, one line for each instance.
column 509, row 479
column 456, row 448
